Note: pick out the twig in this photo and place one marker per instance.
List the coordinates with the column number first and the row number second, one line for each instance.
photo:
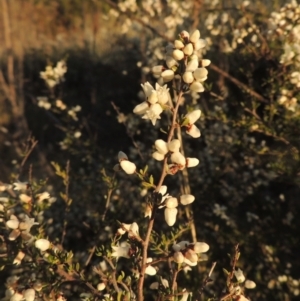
column 207, row 279
column 67, row 208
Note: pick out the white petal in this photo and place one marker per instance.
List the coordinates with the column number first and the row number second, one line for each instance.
column 171, row 202
column 150, row 270
column 178, row 44
column 199, row 44
column 128, row 167
column 24, row 198
column 191, row 255
column 192, row 162
column 167, row 75
column 158, row 156
column 205, row 63
column 12, row 224
column 101, row 286
column 249, row 284
column 171, row 62
column 188, row 77
column 134, row 230
column 29, row 294
column 161, row 146
column 186, row 199
column 154, row 286
column 195, row 36
column 170, row 216
column 42, row 244
column 188, row 49
column 178, row 54
column 192, row 65
column 16, row 297
column 193, row 131
column 192, row 264
column 174, row 145
column 147, row 87
column 178, row 158
column 141, row 108
column 200, row 74
column 201, row 247
column 122, row 156
column 178, row 257
column 163, row 189
column 153, row 97
column 193, row 116
column 19, row 258
column 197, row 87
column 239, row 275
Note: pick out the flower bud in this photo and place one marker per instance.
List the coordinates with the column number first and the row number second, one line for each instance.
column 197, row 87
column 249, row 284
column 188, row 49
column 191, row 162
column 157, row 70
column 42, row 244
column 200, row 74
column 178, row 257
column 205, row 63
column 193, row 116
column 178, row 158
column 188, row 77
column 141, row 108
column 101, row 286
column 128, row 166
column 167, row 75
column 29, row 294
column 161, row 146
column 186, row 199
column 178, row 44
column 158, row 156
column 195, row 36
column 201, row 247
column 12, row 224
column 192, row 65
column 239, row 275
column 178, row 54
column 171, row 202
column 170, row 216
column 174, row 145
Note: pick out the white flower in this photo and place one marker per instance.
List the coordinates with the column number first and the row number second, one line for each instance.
column 178, row 257
column 178, row 54
column 168, row 74
column 16, row 297
column 171, row 202
column 188, row 49
column 193, row 64
column 20, row 185
column 174, row 145
column 141, row 108
column 200, row 247
column 170, row 216
column 153, row 113
column 43, row 196
column 200, row 74
column 178, row 158
column 29, row 294
column 186, row 199
column 128, row 167
column 188, row 77
column 27, row 223
column 132, row 229
column 42, row 244
column 163, row 95
column 195, row 36
column 249, row 284
column 150, row 270
column 239, row 275
column 24, row 198
column 101, row 286
column 162, row 149
column 191, row 162
column 121, row 251
column 197, row 87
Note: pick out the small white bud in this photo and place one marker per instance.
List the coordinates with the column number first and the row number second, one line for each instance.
column 161, row 146
column 195, row 36
column 167, row 75
column 188, row 49
column 178, row 54
column 170, row 216
column 178, row 44
column 200, row 74
column 249, row 284
column 193, row 116
column 174, row 145
column 101, row 286
column 201, row 247
column 186, row 199
column 171, row 202
column 191, row 162
column 197, row 87
column 178, row 257
column 188, row 77
column 29, row 294
column 178, row 158
column 42, row 244
column 128, row 167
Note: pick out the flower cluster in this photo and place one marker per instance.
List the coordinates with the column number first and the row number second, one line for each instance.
column 172, row 150
column 182, row 61
column 186, row 252
column 54, row 76
column 170, row 204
